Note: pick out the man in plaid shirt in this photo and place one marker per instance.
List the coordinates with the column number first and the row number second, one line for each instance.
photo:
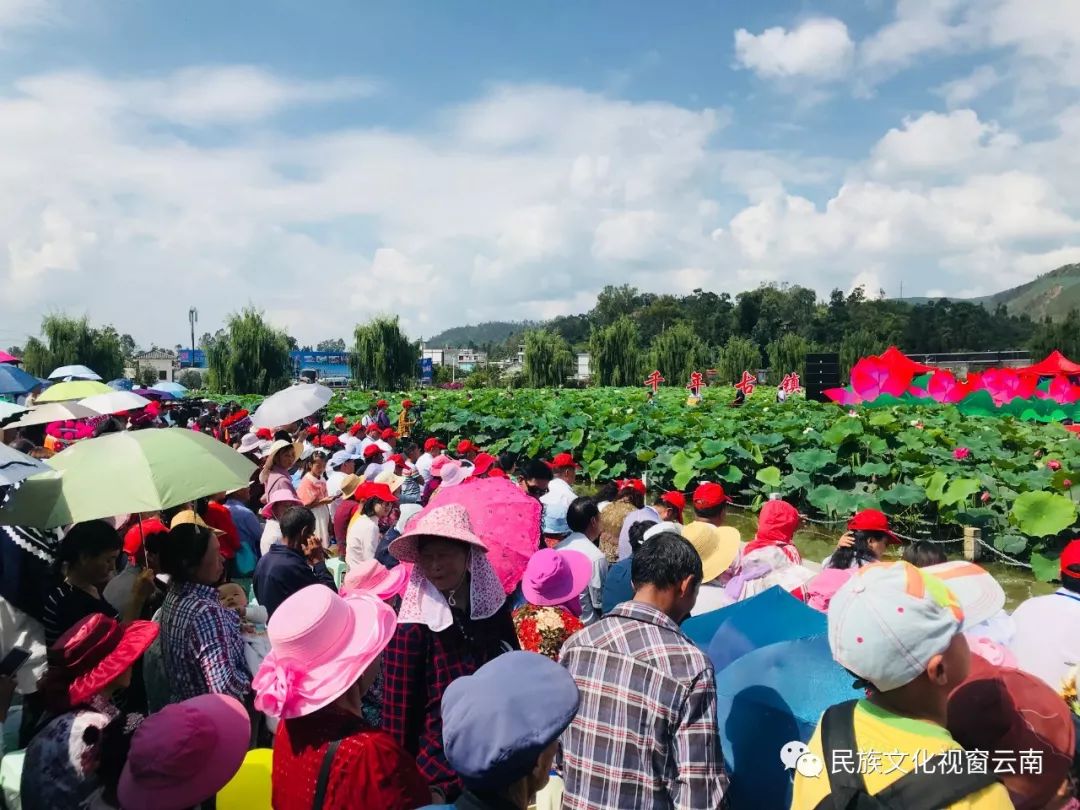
column 646, row 732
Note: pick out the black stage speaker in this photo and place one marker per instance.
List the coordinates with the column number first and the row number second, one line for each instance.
column 822, row 372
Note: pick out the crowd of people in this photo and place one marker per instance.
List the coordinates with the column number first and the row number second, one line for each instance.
column 342, row 608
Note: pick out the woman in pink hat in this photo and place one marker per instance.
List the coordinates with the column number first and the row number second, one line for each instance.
column 454, row 618
column 552, row 585
column 325, row 654
column 277, row 504
column 80, row 751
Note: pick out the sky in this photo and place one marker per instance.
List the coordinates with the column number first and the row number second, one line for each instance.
column 454, row 161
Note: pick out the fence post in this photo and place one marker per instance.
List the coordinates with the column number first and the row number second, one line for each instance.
column 972, row 550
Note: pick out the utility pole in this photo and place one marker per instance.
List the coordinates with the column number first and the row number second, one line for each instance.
column 193, row 318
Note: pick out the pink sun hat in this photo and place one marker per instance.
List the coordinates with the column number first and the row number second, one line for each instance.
column 185, row 753
column 373, row 577
column 555, row 577
column 278, row 496
column 450, row 522
column 438, row 463
column 321, row 643
column 453, row 473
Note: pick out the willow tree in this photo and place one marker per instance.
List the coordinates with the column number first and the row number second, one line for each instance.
column 786, row 354
column 251, row 357
column 548, row 361
column 382, row 357
column 856, row 345
column 73, row 341
column 677, row 352
column 738, row 355
column 615, row 353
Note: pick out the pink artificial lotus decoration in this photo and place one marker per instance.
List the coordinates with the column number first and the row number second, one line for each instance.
column 842, row 396
column 1006, row 384
column 872, row 376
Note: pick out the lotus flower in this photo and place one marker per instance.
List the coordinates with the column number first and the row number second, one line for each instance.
column 1054, row 464
column 1066, row 484
column 871, row 377
column 985, row 497
column 1062, row 390
column 960, row 453
column 944, row 387
column 1005, row 385
column 842, row 396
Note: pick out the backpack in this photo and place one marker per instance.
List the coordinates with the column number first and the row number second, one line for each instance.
column 922, row 790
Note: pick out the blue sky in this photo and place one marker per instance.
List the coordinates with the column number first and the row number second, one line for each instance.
column 452, row 162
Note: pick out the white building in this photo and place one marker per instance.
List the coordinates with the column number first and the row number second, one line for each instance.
column 162, row 361
column 438, row 357
column 583, row 371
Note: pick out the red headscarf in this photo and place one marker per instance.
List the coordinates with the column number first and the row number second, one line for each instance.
column 777, row 524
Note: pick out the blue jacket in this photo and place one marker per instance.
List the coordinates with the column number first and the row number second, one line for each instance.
column 617, row 585
column 282, row 572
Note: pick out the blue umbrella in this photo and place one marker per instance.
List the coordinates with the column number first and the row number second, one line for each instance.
column 773, row 615
column 15, row 381
column 766, row 699
column 121, row 384
column 174, row 388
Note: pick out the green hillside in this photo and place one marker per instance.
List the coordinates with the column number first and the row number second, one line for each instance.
column 482, row 333
column 1053, row 294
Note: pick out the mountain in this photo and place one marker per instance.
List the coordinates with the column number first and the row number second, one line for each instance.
column 491, row 332
column 1053, row 294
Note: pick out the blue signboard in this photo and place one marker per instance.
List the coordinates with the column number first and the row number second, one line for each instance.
column 185, row 358
column 306, row 359
column 427, row 369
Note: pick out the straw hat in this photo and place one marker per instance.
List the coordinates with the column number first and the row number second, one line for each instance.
column 349, row 484
column 391, row 479
column 190, row 516
column 321, row 643
column 450, row 522
column 277, row 447
column 718, row 547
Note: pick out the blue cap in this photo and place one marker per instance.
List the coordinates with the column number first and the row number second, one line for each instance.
column 497, row 721
column 554, row 520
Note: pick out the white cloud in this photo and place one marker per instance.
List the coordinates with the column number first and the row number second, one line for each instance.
column 17, row 14
column 819, row 49
column 919, row 26
column 961, row 92
column 936, row 142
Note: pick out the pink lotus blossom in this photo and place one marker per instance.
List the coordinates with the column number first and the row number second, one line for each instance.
column 1066, row 484
column 985, row 497
column 1054, row 464
column 960, row 453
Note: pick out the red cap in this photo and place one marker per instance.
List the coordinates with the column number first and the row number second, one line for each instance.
column 631, row 483
column 1070, row 557
column 373, row 490
column 265, row 434
column 483, row 463
column 355, row 428
column 871, row 520
column 133, row 538
column 389, row 433
column 675, row 499
column 563, row 460
column 339, row 420
column 382, row 403
column 372, row 450
column 397, row 458
column 313, row 430
column 496, row 472
column 329, row 441
column 406, row 403
column 374, row 427
column 464, row 446
column 432, row 444
column 709, row 495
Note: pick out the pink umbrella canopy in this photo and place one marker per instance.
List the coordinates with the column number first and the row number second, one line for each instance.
column 1055, row 363
column 9, row 358
column 503, row 516
column 897, row 360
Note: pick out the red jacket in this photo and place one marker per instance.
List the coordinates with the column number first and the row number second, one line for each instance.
column 218, row 517
column 370, row 770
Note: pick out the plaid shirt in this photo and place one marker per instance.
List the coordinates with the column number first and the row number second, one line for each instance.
column 418, row 665
column 646, row 732
column 202, row 647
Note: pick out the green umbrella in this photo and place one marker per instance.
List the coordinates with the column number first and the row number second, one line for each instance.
column 75, row 389
column 122, row 473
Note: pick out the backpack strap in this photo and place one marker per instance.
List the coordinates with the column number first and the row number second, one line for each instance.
column 838, row 734
column 324, row 775
column 932, row 787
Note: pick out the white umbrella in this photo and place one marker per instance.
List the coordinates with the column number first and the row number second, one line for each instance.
column 53, row 412
column 9, row 409
column 15, row 466
column 73, row 373
column 291, row 405
column 115, row 402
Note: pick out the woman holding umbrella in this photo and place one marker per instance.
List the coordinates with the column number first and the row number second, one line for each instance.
column 454, row 618
column 279, row 459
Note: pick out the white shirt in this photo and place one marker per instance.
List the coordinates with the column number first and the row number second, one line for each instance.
column 333, row 483
column 592, row 600
column 423, row 466
column 559, row 492
column 350, row 443
column 385, row 447
column 711, row 596
column 271, row 534
column 18, row 629
column 1047, row 640
column 361, row 540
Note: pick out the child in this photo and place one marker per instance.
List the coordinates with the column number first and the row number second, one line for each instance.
column 252, row 624
column 897, row 629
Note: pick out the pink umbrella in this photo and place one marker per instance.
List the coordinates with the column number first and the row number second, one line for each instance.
column 503, row 516
column 8, row 358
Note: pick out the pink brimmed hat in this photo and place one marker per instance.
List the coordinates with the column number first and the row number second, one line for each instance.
column 185, row 753
column 555, row 577
column 278, row 496
column 375, row 578
column 321, row 643
column 453, row 473
column 450, row 522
